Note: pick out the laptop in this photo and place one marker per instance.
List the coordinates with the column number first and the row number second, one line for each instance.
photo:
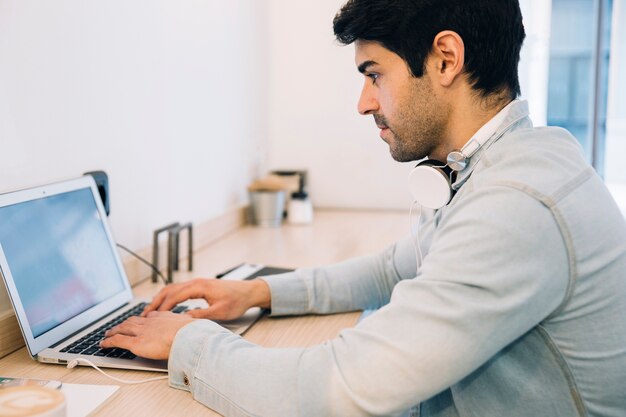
column 65, row 279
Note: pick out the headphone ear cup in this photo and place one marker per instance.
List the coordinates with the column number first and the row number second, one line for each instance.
column 430, row 186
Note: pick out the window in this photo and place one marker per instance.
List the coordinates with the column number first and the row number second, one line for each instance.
column 570, row 66
column 615, row 149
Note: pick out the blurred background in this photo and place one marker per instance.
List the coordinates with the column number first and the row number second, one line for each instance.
column 183, row 103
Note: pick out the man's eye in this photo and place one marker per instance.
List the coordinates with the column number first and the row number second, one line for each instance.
column 373, row 77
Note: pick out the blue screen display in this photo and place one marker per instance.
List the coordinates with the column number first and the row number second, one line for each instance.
column 60, row 257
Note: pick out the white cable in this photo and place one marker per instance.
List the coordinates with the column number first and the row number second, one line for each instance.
column 416, row 245
column 73, row 363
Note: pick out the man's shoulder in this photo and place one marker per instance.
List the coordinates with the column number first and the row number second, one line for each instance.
column 543, row 159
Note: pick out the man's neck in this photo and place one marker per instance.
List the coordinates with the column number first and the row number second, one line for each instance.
column 466, row 118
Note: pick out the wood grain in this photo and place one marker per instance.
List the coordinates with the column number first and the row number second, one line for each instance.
column 334, row 236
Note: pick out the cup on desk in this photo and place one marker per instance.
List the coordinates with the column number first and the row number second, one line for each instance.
column 300, row 209
column 267, row 207
column 32, row 401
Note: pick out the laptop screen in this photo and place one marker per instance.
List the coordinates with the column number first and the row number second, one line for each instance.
column 59, row 255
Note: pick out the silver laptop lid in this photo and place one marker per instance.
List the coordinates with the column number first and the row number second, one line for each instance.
column 58, row 260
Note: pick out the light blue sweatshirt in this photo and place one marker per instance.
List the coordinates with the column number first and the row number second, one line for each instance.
column 518, row 309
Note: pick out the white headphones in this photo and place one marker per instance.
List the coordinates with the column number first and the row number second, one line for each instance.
column 430, row 181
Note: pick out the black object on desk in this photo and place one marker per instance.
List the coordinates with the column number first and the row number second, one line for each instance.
column 269, row 270
column 173, row 253
column 102, row 182
column 263, row 271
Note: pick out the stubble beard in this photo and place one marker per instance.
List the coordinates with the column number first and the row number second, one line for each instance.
column 405, row 150
column 419, row 125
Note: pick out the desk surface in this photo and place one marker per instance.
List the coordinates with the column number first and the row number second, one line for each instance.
column 334, row 236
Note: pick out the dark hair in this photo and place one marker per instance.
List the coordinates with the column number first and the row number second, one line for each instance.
column 492, row 31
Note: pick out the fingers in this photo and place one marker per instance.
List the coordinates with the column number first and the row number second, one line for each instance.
column 147, row 337
column 173, row 298
column 130, row 327
column 165, row 294
column 167, row 314
column 157, row 300
column 168, row 297
column 219, row 311
column 120, row 341
column 204, row 313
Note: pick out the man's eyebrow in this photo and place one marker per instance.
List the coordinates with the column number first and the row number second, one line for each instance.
column 365, row 65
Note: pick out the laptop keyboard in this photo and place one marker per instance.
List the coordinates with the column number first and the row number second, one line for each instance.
column 90, row 344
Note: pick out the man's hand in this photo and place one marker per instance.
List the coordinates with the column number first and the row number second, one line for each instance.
column 227, row 299
column 149, row 337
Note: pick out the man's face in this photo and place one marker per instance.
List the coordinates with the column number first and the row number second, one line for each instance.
column 411, row 116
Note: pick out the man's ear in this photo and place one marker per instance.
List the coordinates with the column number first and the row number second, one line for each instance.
column 447, row 57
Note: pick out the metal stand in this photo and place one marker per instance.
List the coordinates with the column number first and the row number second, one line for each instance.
column 173, row 251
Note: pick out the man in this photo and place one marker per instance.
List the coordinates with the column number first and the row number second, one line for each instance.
column 518, row 307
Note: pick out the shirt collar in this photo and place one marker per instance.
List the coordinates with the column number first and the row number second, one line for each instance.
column 506, row 119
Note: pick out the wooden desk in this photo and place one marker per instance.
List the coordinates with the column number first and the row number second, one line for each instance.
column 334, row 236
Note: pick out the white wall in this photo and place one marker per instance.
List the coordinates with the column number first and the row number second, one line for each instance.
column 167, row 96
column 314, row 124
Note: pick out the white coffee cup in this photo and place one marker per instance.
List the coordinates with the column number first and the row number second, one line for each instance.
column 300, row 210
column 32, row 401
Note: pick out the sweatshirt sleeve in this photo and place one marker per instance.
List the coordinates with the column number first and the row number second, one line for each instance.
column 357, row 284
column 362, row 283
column 475, row 294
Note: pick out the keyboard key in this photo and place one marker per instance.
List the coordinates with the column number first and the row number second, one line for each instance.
column 128, row 355
column 116, row 353
column 103, row 352
column 179, row 309
column 91, row 350
column 92, row 340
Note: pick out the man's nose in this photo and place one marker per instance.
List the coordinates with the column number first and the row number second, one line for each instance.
column 368, row 102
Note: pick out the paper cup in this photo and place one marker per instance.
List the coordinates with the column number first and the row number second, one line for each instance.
column 32, row 401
